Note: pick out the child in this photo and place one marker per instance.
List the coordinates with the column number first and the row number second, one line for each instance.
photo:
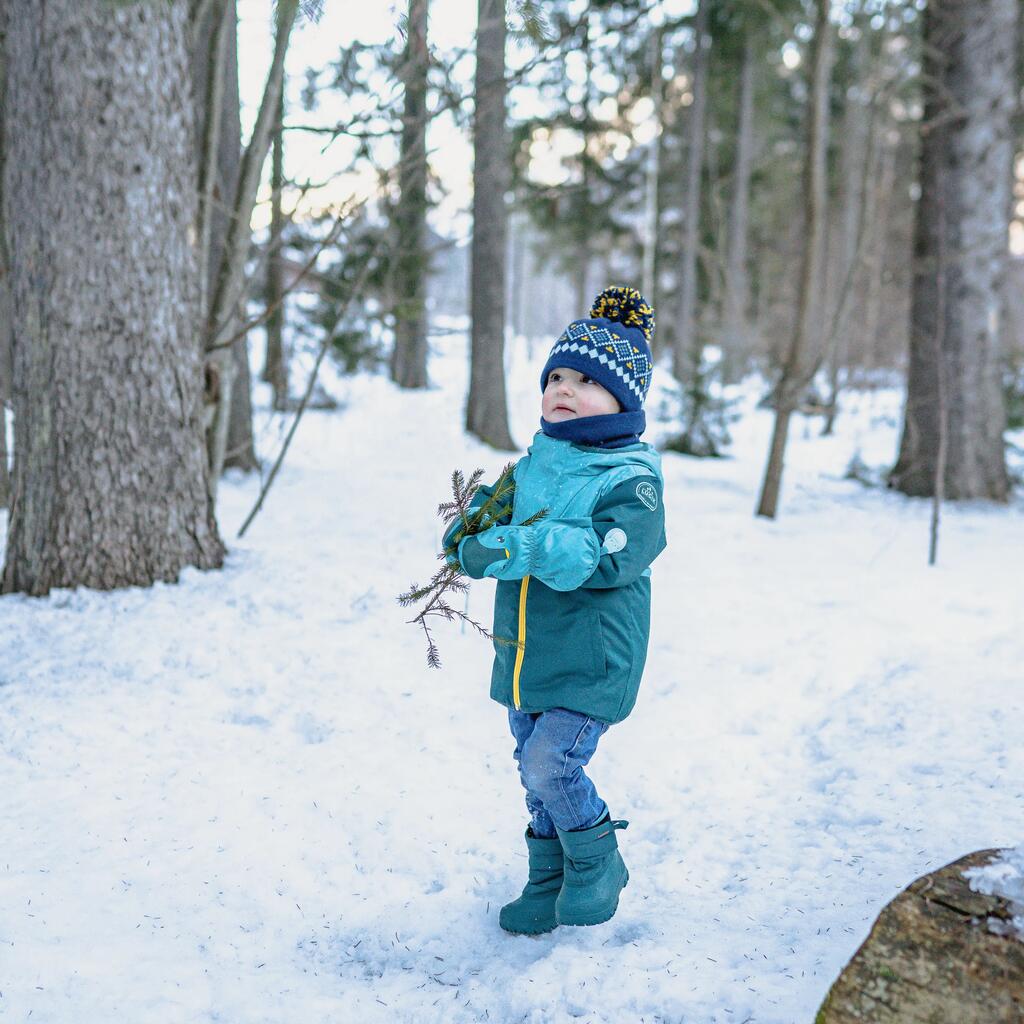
column 574, row 595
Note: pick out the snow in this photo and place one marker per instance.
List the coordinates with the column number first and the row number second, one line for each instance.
column 246, row 798
column 1003, row 876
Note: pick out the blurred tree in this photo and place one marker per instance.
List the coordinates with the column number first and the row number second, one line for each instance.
column 109, row 487
column 224, row 310
column 589, row 207
column 486, row 409
column 5, row 301
column 796, row 373
column 218, row 134
column 954, row 406
column 687, row 349
column 410, row 261
column 275, row 369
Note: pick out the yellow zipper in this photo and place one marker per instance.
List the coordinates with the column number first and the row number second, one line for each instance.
column 521, row 650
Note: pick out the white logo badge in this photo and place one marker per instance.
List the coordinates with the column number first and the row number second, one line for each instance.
column 647, row 494
column 614, row 540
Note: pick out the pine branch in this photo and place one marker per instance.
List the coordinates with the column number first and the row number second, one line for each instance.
column 450, row 578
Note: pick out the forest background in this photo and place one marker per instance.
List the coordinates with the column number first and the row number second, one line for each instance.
column 272, row 271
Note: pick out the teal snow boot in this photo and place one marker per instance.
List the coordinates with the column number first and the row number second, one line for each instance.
column 534, row 912
column 594, row 874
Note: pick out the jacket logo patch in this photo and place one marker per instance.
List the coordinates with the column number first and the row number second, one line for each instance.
column 648, row 495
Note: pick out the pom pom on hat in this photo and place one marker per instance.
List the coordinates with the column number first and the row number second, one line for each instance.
column 627, row 307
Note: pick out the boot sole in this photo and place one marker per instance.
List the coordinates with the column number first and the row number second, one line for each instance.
column 519, row 931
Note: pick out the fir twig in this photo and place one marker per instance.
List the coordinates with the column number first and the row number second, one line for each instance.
column 451, row 578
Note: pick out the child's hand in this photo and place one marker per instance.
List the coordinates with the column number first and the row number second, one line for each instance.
column 560, row 552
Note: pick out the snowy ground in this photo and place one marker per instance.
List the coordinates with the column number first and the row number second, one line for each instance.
column 245, row 798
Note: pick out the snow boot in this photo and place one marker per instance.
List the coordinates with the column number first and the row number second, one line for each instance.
column 534, row 912
column 594, row 874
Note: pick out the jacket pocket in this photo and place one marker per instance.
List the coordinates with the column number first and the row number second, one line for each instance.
column 565, row 647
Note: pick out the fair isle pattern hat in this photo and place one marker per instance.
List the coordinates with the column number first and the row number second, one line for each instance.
column 612, row 346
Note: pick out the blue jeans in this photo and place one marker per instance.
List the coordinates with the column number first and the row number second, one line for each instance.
column 551, row 749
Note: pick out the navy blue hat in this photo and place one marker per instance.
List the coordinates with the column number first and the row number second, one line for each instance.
column 611, row 346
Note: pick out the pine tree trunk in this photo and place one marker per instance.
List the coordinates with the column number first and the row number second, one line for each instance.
column 881, row 196
column 486, row 409
column 688, row 345
column 99, row 202
column 5, row 367
column 275, row 370
column 649, row 259
column 737, row 288
column 222, row 321
column 409, row 356
column 5, row 299
column 669, row 200
column 857, row 138
column 241, row 450
column 796, row 371
column 517, row 273
column 966, row 172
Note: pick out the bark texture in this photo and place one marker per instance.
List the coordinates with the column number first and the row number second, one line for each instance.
column 486, row 408
column 931, row 958
column 5, row 304
column 99, row 202
column 409, row 356
column 966, row 178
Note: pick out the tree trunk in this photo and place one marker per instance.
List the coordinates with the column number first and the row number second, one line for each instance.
column 857, row 146
column 275, row 370
column 797, row 369
column 582, row 250
column 933, row 955
column 486, row 409
column 688, row 344
column 409, row 356
column 966, row 171
column 99, row 203
column 669, row 199
column 241, row 450
column 734, row 319
column 881, row 199
column 649, row 263
column 222, row 321
column 5, row 300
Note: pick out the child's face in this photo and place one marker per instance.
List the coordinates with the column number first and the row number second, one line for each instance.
column 571, row 395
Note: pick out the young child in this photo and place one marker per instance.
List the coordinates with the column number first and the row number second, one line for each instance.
column 574, row 594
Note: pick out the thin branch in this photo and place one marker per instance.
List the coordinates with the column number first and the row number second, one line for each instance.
column 325, row 345
column 328, row 239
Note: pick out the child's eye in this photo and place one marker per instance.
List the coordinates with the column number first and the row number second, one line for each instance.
column 586, row 380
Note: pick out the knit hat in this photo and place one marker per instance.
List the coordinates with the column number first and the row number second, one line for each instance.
column 611, row 346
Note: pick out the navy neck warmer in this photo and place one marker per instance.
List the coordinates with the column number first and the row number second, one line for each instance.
column 614, row 430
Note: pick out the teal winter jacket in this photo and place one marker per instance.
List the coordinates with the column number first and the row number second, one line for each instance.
column 574, row 589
